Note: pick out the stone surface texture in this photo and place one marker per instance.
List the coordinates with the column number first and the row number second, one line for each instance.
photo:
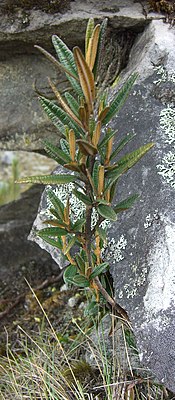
column 19, row 258
column 23, row 124
column 144, row 279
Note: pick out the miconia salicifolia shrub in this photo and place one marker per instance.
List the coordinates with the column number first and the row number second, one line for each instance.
column 86, row 151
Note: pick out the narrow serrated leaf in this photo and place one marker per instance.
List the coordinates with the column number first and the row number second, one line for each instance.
column 106, row 212
column 69, row 273
column 99, row 269
column 85, row 199
column 92, row 47
column 70, row 245
column 95, row 174
column 56, row 202
column 49, row 179
column 73, row 104
column 78, row 225
column 120, row 98
column 89, row 30
column 102, row 233
column 66, row 108
column 106, row 139
column 55, row 243
column 51, row 150
column 81, row 281
column 60, row 118
column 53, row 232
column 86, row 78
column 122, row 144
column 126, row 203
column 80, row 263
column 86, row 148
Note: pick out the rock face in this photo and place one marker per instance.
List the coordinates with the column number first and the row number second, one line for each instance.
column 23, row 124
column 144, row 277
column 19, row 258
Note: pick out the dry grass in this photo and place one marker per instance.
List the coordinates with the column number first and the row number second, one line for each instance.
column 47, row 370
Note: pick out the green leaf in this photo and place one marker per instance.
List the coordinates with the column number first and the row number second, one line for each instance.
column 107, row 212
column 55, row 243
column 99, row 269
column 69, row 273
column 80, row 280
column 126, row 204
column 102, row 233
column 56, row 202
column 80, row 262
column 86, row 148
column 54, row 232
column 73, row 104
column 106, row 139
column 102, row 201
column 122, row 144
column 70, row 245
column 59, row 117
column 65, row 146
column 89, row 31
column 49, row 179
column 50, row 108
column 101, row 48
column 51, row 150
column 120, row 98
column 64, row 54
column 85, row 199
column 63, row 156
column 128, row 161
column 66, row 58
column 95, row 174
column 79, row 224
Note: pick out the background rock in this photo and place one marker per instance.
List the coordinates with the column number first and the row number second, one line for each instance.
column 23, row 124
column 144, row 277
column 19, row 258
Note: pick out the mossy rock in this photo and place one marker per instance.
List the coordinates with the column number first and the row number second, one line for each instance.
column 49, row 6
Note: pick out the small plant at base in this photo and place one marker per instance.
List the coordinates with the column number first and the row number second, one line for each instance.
column 86, row 149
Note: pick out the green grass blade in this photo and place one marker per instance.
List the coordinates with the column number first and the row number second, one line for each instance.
column 120, row 98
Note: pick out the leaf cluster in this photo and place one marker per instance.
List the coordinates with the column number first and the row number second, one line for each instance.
column 86, row 151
